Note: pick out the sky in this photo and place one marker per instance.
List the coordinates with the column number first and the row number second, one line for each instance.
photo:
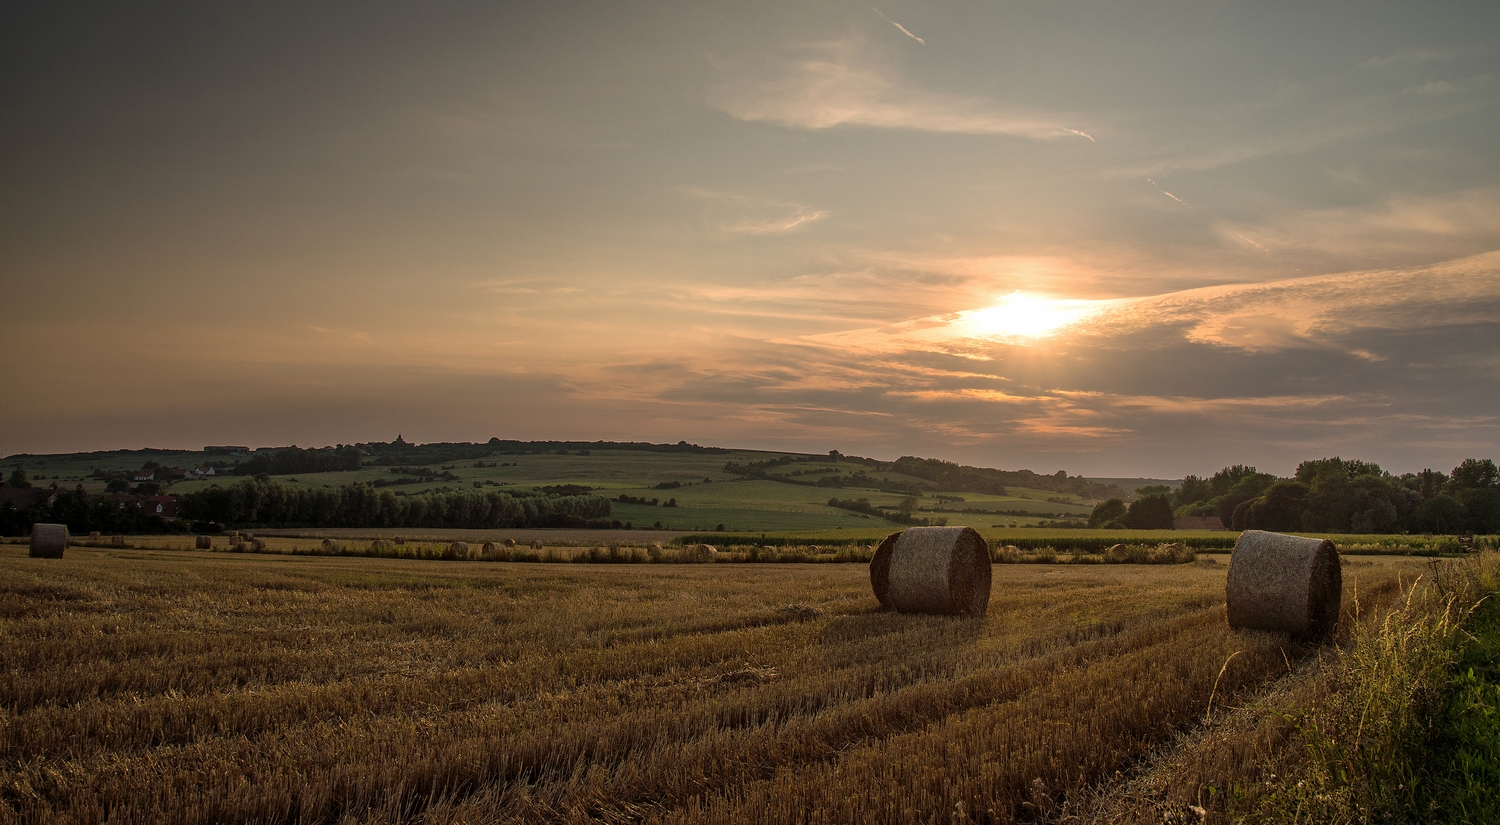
column 1116, row 238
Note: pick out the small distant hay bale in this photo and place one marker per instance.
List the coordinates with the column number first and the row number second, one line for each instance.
column 400, row 540
column 258, row 545
column 536, row 544
column 205, row 543
column 942, row 570
column 1285, row 583
column 332, row 545
column 799, row 612
column 458, row 550
column 247, row 536
column 48, row 541
column 510, row 542
column 382, row 546
column 654, row 546
column 93, row 535
column 117, row 541
column 491, row 548
column 700, row 553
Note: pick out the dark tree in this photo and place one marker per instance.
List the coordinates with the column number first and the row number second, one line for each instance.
column 1107, row 513
column 1475, row 474
column 1153, row 512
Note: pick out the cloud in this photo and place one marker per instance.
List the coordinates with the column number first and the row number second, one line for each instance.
column 839, row 83
column 903, row 29
column 744, row 215
column 1313, row 311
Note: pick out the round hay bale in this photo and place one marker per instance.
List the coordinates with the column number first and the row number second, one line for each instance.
column 48, row 541
column 654, row 546
column 699, row 553
column 258, row 545
column 933, row 570
column 205, row 543
column 400, row 541
column 458, row 550
column 537, row 544
column 1284, row 583
column 247, row 536
column 510, row 542
column 382, row 546
column 490, row 547
column 117, row 541
column 332, row 546
column 93, row 535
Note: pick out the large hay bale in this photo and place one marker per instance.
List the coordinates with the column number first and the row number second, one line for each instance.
column 458, row 550
column 1284, row 583
column 332, row 546
column 48, row 541
column 205, row 543
column 933, row 570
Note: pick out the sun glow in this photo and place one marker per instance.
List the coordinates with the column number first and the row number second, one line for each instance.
column 1019, row 315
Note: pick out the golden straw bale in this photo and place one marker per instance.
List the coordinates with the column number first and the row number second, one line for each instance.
column 48, row 541
column 1284, row 583
column 933, row 570
column 205, row 543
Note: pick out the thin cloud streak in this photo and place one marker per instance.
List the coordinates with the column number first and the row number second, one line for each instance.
column 838, row 83
column 903, row 29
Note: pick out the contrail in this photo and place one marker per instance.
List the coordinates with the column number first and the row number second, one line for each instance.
column 1169, row 194
column 1080, row 134
column 905, row 30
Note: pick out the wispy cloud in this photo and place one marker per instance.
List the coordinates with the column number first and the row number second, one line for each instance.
column 746, row 215
column 840, row 83
column 904, row 30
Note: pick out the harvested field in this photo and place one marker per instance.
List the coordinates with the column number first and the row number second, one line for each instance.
column 213, row 687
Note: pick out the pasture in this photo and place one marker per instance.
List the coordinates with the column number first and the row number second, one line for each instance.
column 157, row 685
column 705, row 495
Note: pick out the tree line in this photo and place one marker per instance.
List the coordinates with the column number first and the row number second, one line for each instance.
column 268, row 503
column 1328, row 495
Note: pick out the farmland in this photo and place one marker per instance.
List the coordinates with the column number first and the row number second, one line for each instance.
column 150, row 685
column 702, row 493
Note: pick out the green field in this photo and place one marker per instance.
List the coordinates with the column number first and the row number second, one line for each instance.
column 707, row 495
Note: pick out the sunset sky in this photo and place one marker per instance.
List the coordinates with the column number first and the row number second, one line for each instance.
column 1116, row 238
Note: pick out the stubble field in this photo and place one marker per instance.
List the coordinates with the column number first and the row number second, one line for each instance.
column 207, row 687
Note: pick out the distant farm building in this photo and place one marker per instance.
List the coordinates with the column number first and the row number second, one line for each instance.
column 206, row 470
column 144, row 475
column 164, row 506
column 1197, row 523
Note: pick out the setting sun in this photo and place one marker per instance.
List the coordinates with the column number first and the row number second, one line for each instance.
column 1019, row 315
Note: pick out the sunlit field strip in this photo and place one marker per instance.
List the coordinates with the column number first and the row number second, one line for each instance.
column 211, row 687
